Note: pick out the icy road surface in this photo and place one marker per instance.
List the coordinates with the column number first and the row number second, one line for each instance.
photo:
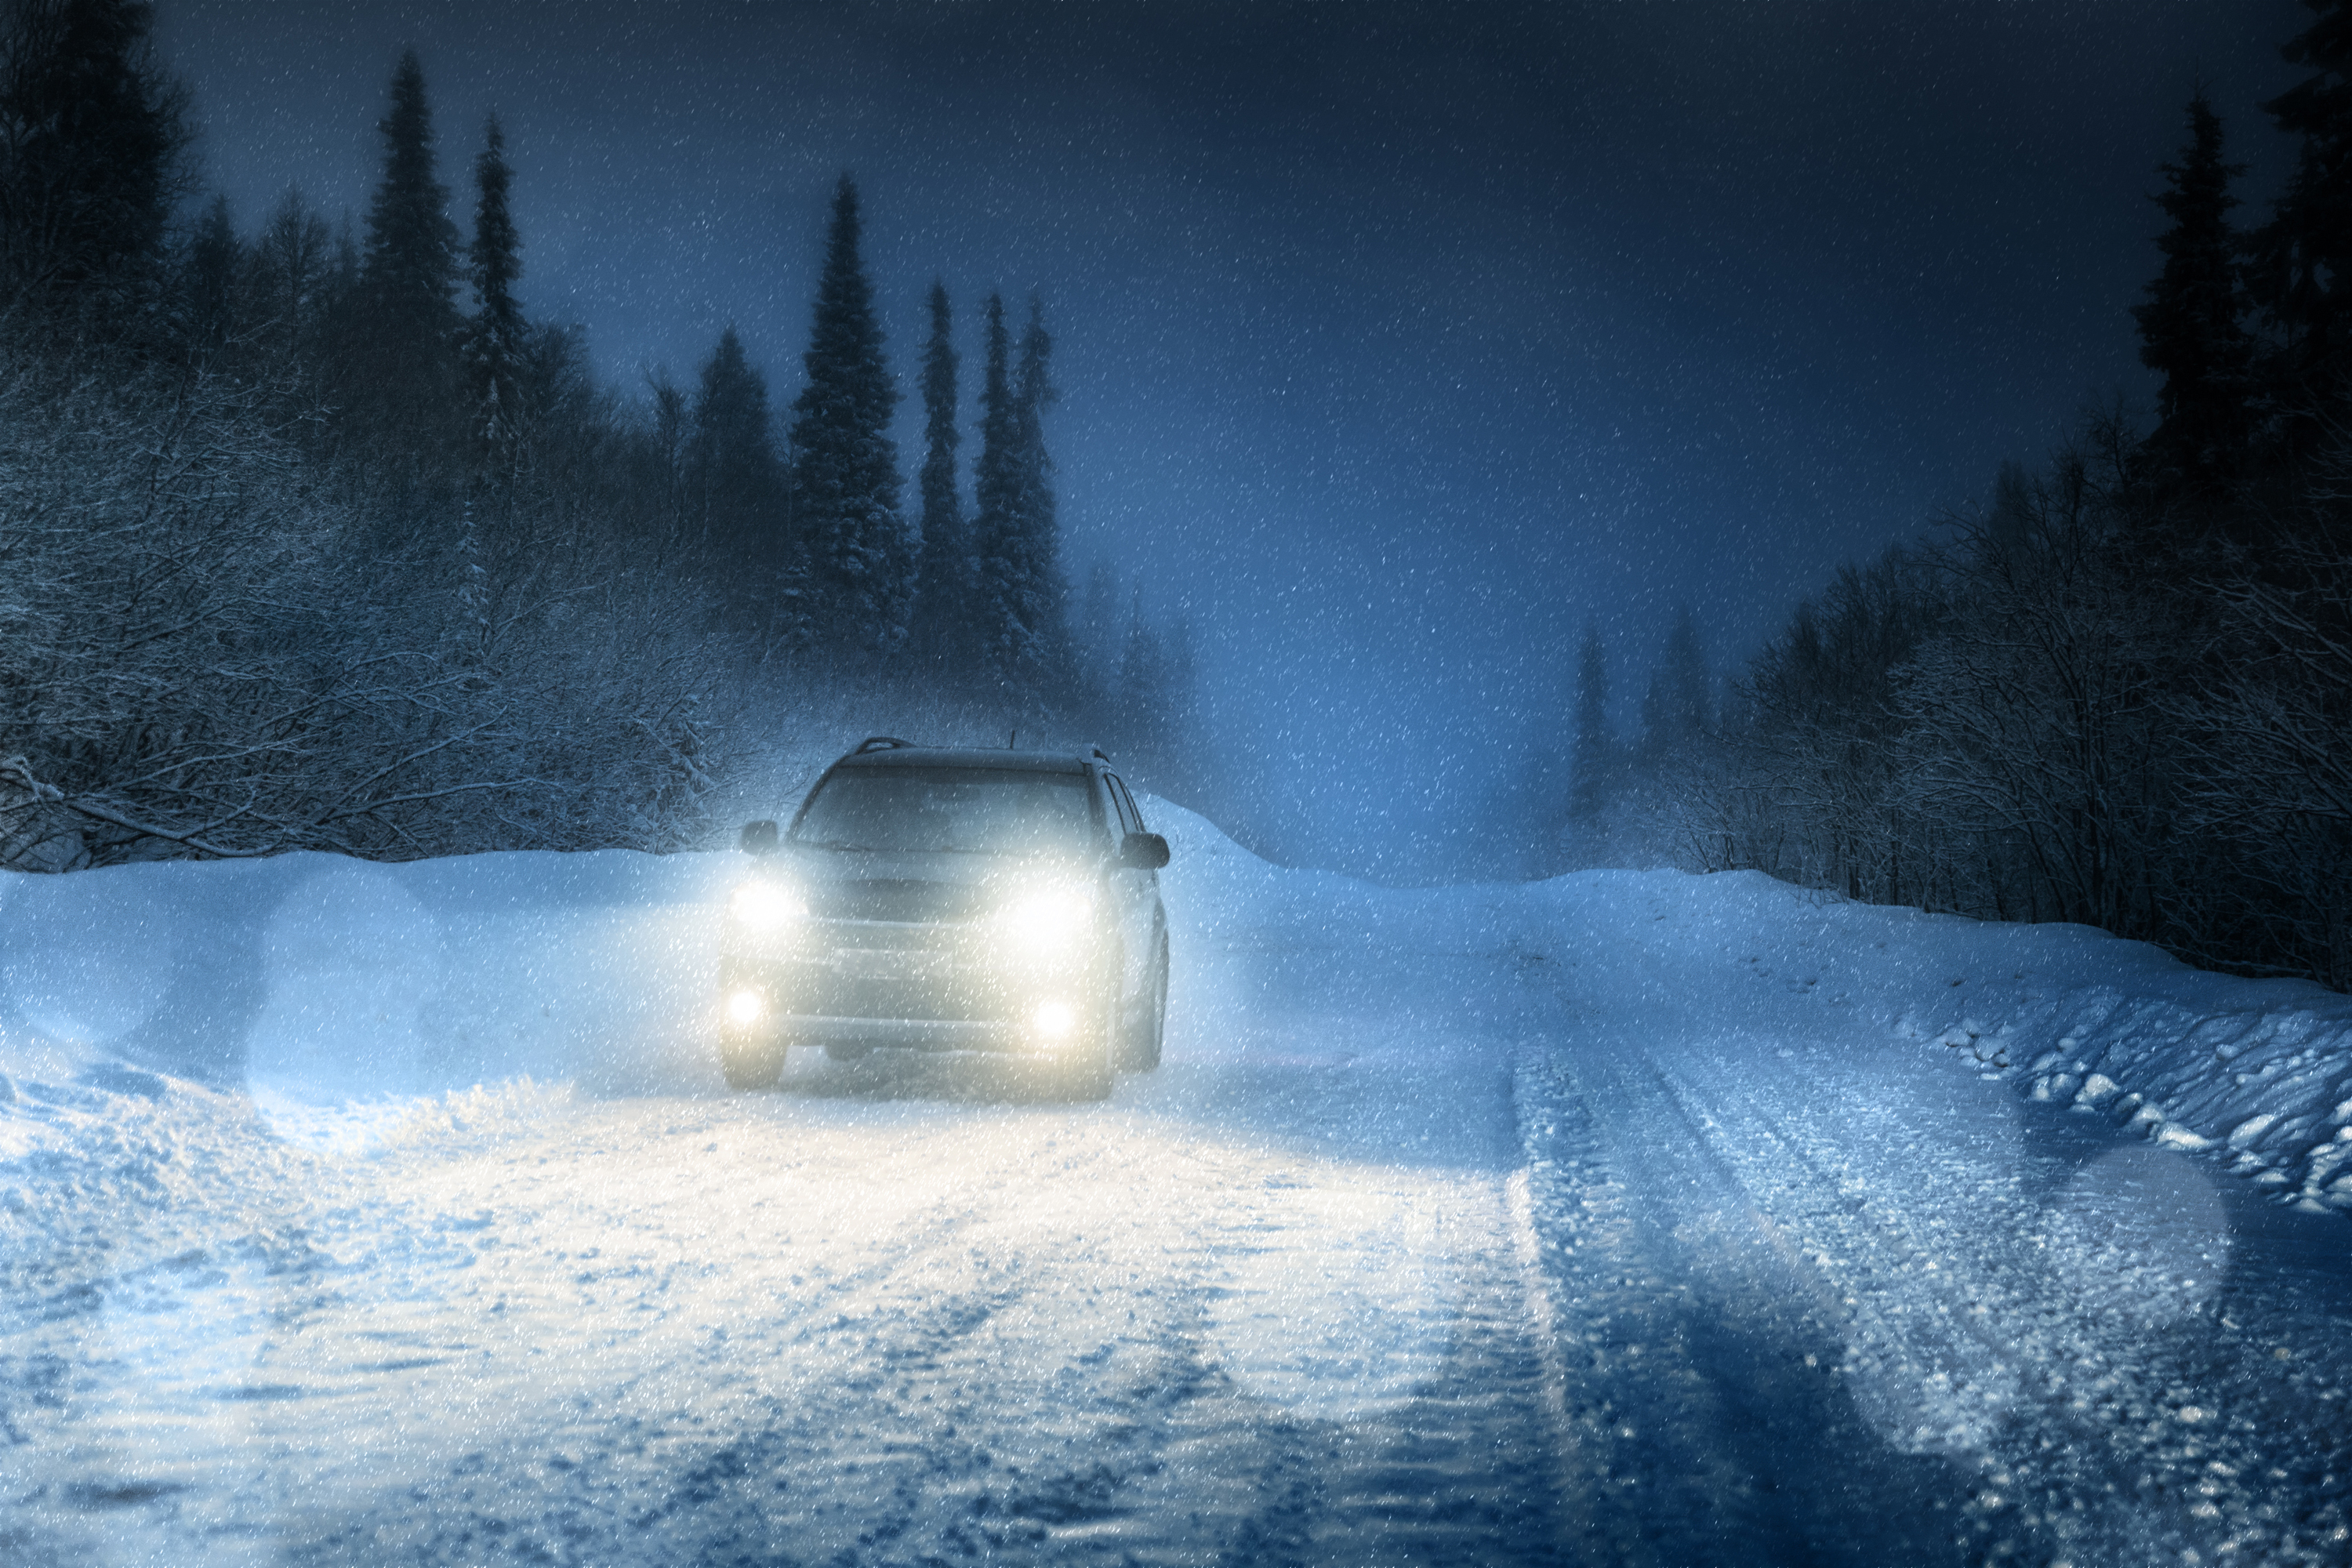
column 1624, row 1218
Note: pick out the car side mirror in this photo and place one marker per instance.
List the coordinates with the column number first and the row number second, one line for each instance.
column 1143, row 852
column 758, row 839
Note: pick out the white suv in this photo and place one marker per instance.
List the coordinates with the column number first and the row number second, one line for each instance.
column 951, row 899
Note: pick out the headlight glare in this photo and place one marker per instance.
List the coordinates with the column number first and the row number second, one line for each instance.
column 1048, row 921
column 765, row 906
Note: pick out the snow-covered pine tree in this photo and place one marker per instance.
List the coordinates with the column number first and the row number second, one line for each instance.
column 2190, row 329
column 342, row 284
column 667, row 444
column 1674, row 709
column 1045, row 611
column 1596, row 745
column 858, row 565
column 733, row 479
column 1687, row 676
column 2300, row 263
column 943, row 589
column 1024, row 639
column 399, row 371
column 995, row 485
column 496, row 339
column 92, row 133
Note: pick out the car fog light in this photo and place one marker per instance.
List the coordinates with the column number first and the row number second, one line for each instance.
column 746, row 1006
column 1054, row 1019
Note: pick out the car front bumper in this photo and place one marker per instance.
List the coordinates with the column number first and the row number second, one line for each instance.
column 940, row 988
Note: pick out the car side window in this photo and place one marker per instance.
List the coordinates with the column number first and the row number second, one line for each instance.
column 1122, row 823
column 1106, row 807
column 1129, row 818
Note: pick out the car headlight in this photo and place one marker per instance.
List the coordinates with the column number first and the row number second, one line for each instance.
column 1050, row 920
column 764, row 906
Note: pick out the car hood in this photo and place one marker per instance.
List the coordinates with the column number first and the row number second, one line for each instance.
column 852, row 884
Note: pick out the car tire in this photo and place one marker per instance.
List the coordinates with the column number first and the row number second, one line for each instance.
column 1149, row 1025
column 750, row 1063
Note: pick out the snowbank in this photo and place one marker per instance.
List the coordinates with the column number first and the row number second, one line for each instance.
column 184, row 1047
column 155, row 1018
column 340, row 995
column 2258, row 1072
column 326, row 979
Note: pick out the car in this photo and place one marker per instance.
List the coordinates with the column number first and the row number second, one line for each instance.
column 946, row 899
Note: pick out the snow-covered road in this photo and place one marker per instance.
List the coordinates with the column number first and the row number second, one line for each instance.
column 1624, row 1218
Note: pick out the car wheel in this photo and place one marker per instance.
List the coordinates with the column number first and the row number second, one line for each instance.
column 750, row 1062
column 1150, row 1022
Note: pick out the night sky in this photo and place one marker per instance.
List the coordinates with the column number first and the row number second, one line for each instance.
column 1397, row 341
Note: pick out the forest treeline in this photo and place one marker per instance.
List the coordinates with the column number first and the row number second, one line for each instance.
column 313, row 537
column 2120, row 693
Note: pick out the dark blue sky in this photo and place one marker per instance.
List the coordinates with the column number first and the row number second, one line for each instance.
column 1397, row 340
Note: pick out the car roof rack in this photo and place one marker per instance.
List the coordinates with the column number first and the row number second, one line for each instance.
column 882, row 744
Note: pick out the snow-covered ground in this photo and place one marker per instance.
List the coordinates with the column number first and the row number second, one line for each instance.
column 365, row 1214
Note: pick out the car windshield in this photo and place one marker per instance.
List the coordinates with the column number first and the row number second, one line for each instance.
column 968, row 811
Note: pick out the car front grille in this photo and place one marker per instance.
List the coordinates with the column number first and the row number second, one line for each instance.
column 900, row 901
column 947, row 967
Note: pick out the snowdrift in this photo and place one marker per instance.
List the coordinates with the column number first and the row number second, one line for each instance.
column 2258, row 1072
column 325, row 979
column 337, row 1004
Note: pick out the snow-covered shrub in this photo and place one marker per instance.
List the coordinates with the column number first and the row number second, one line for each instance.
column 212, row 644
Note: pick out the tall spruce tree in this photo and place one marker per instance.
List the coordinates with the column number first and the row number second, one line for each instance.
column 943, row 591
column 995, row 486
column 92, row 133
column 1023, row 640
column 1044, row 609
column 858, row 561
column 666, row 452
column 402, row 367
column 1595, row 761
column 497, row 339
column 2300, row 270
column 2190, row 329
column 734, row 480
column 1674, row 709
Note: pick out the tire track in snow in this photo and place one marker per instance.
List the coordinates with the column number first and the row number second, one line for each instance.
column 789, row 1330
column 2101, row 1441
column 1701, row 1383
